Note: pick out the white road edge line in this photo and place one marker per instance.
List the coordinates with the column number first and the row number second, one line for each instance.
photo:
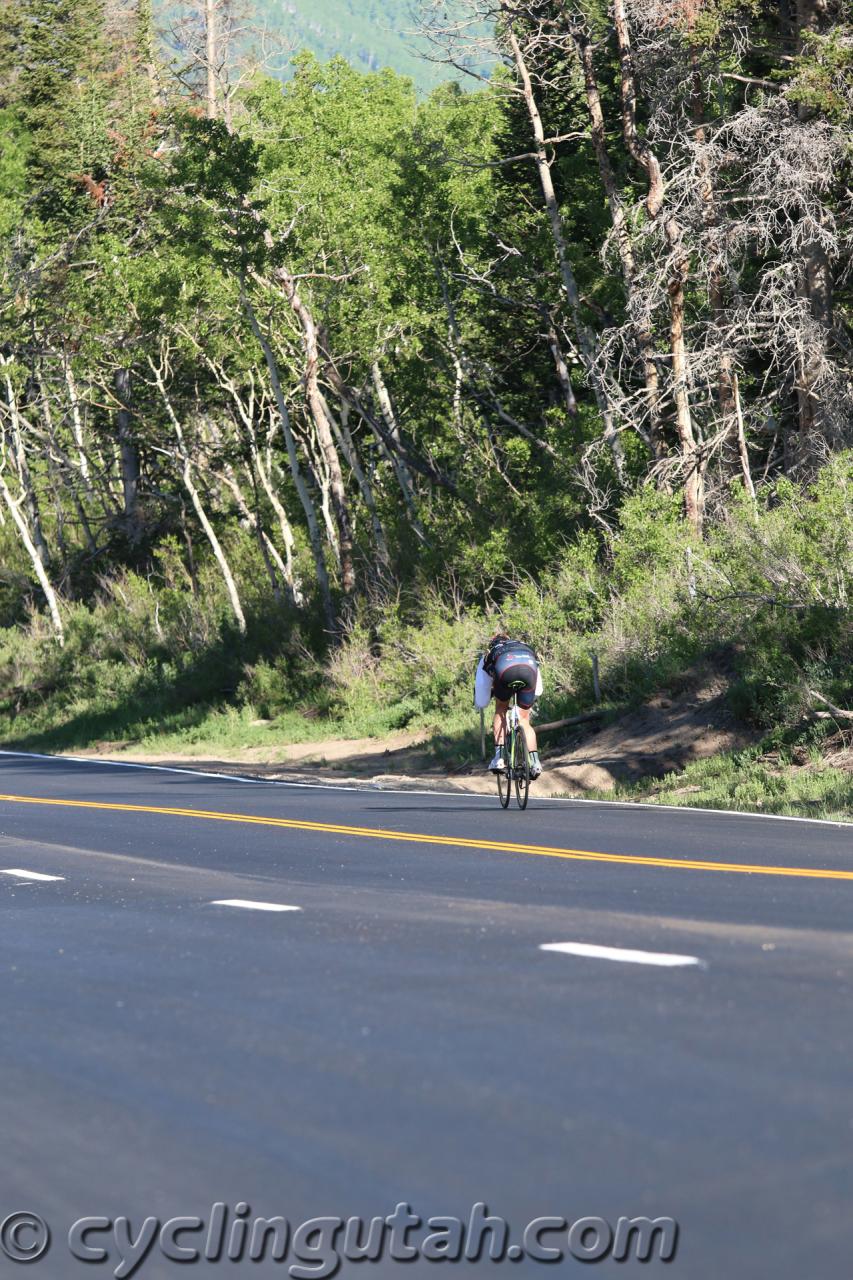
column 374, row 788
column 27, row 875
column 664, row 959
column 134, row 764
column 252, row 906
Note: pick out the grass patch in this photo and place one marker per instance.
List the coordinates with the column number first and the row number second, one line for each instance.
column 747, row 781
column 184, row 731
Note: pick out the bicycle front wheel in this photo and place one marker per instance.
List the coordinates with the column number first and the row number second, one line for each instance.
column 521, row 771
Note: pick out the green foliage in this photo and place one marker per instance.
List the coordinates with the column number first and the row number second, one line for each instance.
column 750, row 782
column 822, row 76
column 707, row 23
column 652, row 538
column 62, row 94
column 15, row 143
column 152, row 656
column 232, row 346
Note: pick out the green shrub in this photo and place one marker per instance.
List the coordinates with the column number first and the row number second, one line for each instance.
column 159, row 652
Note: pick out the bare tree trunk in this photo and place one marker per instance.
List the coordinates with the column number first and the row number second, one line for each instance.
column 322, row 426
column 245, row 413
column 288, row 568
column 640, row 151
column 325, row 435
column 618, row 216
column 249, row 516
column 486, row 398
column 69, row 475
column 251, row 520
column 210, row 533
column 816, row 289
column 401, row 471
column 320, row 475
column 71, row 472
column 585, row 339
column 348, row 448
column 76, row 416
column 295, row 470
column 84, row 519
column 642, row 154
column 55, row 471
column 560, row 366
column 195, row 498
column 711, row 220
column 694, row 477
column 21, row 464
column 13, row 507
column 211, row 34
column 816, row 282
column 741, row 441
column 128, row 454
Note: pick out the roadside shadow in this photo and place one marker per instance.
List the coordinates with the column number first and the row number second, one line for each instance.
column 454, row 808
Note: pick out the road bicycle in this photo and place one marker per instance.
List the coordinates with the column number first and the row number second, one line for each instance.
column 516, row 757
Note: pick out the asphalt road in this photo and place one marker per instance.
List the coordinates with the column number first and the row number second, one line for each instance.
column 402, row 1037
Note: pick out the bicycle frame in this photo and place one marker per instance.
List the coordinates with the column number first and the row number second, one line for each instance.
column 514, row 747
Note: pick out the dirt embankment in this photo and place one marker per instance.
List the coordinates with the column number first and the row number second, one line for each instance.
column 663, row 736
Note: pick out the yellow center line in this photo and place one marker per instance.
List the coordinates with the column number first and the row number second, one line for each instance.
column 457, row 842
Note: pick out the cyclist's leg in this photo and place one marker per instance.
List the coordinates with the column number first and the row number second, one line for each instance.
column 499, row 730
column 529, row 731
column 526, row 699
column 499, row 722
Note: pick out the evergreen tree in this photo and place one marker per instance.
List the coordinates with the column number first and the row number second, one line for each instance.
column 63, row 95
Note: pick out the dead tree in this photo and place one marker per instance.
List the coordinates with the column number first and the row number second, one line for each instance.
column 678, row 273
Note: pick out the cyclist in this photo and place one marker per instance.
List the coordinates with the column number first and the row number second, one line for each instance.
column 505, row 662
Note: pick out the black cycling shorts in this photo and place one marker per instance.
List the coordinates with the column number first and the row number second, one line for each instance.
column 526, row 694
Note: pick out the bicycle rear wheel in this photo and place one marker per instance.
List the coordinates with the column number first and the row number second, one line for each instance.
column 521, row 770
column 504, row 777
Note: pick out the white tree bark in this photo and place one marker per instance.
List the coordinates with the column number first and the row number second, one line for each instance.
column 295, row 470
column 284, row 525
column 622, row 232
column 585, row 339
column 76, row 416
column 348, row 449
column 21, row 465
column 325, row 433
column 401, row 471
column 195, row 498
column 741, row 440
column 211, row 58
column 644, row 156
column 13, row 507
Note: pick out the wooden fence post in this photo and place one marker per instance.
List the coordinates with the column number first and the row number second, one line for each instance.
column 596, row 686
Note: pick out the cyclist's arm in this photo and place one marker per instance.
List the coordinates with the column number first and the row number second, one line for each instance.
column 539, row 685
column 482, row 687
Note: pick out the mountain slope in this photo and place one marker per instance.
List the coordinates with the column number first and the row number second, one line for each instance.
column 369, row 33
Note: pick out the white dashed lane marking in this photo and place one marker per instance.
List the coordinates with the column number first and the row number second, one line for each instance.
column 664, row 959
column 248, row 905
column 27, row 875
